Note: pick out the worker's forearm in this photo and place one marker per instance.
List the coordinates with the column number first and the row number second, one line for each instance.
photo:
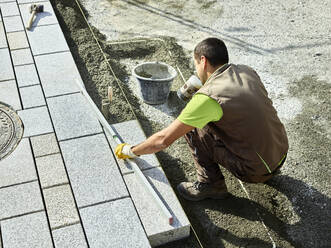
column 153, row 144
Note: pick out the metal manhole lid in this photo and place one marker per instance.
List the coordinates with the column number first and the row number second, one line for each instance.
column 11, row 130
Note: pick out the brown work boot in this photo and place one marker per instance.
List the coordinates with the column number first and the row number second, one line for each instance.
column 198, row 191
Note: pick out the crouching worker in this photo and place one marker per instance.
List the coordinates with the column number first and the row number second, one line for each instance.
column 230, row 121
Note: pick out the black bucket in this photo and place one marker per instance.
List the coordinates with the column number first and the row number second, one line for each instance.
column 155, row 79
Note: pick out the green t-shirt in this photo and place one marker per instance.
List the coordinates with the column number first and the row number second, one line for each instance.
column 200, row 110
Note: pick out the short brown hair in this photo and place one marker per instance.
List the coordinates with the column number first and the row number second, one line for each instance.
column 214, row 50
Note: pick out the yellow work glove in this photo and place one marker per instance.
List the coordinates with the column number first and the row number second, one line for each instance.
column 123, row 151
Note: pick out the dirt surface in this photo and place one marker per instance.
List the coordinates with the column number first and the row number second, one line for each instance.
column 295, row 206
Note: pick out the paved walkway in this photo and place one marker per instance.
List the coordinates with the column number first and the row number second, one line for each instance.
column 62, row 186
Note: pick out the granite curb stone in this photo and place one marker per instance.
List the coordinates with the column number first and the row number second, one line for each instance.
column 13, row 24
column 92, row 170
column 44, row 145
column 27, row 231
column 51, row 170
column 32, row 96
column 22, row 56
column 26, row 75
column 114, row 223
column 47, row 39
column 60, row 205
column 6, row 68
column 133, row 137
column 36, row 121
column 69, row 237
column 9, row 9
column 72, row 117
column 156, row 225
column 58, row 73
column 20, row 199
column 19, row 166
column 46, row 17
column 9, row 94
column 17, row 40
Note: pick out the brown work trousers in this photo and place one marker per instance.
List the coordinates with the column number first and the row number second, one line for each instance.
column 209, row 153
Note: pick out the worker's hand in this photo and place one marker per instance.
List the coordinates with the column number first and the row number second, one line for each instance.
column 123, row 151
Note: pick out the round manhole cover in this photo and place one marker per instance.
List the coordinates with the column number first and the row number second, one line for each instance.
column 11, row 130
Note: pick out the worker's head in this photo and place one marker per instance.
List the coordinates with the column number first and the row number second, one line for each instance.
column 209, row 55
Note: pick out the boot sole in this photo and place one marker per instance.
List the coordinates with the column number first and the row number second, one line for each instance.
column 189, row 198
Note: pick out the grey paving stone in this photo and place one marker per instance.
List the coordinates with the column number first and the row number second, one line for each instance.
column 133, row 137
column 6, row 68
column 157, row 228
column 27, row 231
column 36, row 121
column 21, row 56
column 44, row 145
column 17, row 40
column 4, row 1
column 20, row 199
column 32, row 96
column 9, row 9
column 29, row 1
column 60, row 206
column 26, row 75
column 9, row 94
column 69, row 237
column 92, row 170
column 114, row 223
column 47, row 39
column 18, row 167
column 72, row 117
column 3, row 42
column 44, row 18
column 13, row 24
column 58, row 73
column 51, row 170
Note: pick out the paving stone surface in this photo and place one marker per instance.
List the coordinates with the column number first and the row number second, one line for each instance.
column 51, row 170
column 44, row 145
column 133, row 137
column 114, row 223
column 9, row 9
column 27, row 231
column 36, row 121
column 20, row 199
column 3, row 41
column 17, row 40
column 157, row 227
column 22, row 56
column 92, row 170
column 6, row 68
column 9, row 94
column 72, row 117
column 29, row 1
column 44, row 18
column 19, row 166
column 47, row 39
column 69, row 237
column 13, row 24
column 26, row 75
column 32, row 96
column 60, row 206
column 58, row 73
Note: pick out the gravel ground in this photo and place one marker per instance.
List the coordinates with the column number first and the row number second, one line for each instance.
column 287, row 43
